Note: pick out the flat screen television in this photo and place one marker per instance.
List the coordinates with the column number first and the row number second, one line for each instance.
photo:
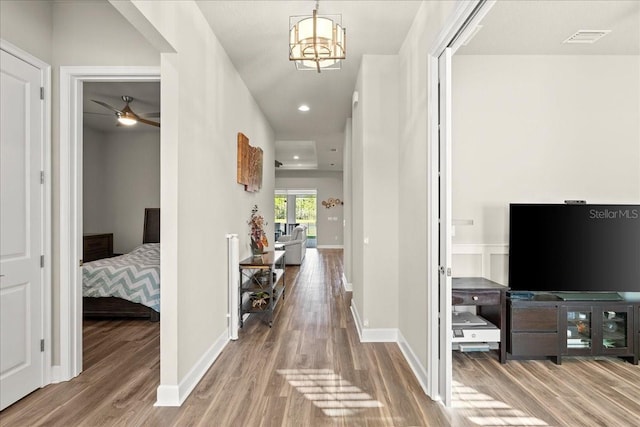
column 574, row 248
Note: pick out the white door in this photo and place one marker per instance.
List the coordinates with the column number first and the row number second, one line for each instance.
column 445, row 371
column 21, row 129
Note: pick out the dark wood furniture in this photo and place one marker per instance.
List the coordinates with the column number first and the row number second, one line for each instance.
column 544, row 326
column 261, row 278
column 97, row 246
column 489, row 298
column 113, row 307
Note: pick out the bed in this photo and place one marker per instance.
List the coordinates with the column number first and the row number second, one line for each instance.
column 126, row 285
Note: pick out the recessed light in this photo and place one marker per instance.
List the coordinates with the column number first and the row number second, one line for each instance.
column 296, row 157
column 334, row 149
column 333, row 164
column 304, row 108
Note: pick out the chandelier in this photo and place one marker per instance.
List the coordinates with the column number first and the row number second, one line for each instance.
column 317, row 42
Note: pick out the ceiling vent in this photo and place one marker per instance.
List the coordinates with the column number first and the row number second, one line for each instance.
column 587, row 36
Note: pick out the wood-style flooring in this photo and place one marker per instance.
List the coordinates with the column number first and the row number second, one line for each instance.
column 311, row 370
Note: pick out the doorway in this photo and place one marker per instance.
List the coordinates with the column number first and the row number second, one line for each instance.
column 71, row 200
column 460, row 27
column 297, row 207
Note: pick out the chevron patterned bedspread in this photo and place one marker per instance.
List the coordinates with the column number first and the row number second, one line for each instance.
column 134, row 276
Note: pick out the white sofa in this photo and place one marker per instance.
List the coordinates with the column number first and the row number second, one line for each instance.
column 295, row 245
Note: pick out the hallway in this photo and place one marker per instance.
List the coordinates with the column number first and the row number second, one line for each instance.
column 311, row 370
column 308, row 370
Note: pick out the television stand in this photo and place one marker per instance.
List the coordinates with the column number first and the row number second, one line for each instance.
column 588, row 296
column 540, row 328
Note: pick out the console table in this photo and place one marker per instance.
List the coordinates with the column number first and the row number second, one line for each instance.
column 489, row 298
column 261, row 284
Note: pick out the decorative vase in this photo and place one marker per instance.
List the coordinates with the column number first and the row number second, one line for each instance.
column 256, row 248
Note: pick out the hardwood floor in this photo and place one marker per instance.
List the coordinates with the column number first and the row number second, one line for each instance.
column 311, row 370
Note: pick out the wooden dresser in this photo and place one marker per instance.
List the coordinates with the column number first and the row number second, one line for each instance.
column 97, row 246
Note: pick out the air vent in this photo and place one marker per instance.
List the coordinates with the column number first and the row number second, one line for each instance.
column 587, row 36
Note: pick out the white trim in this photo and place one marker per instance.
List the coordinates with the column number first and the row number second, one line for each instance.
column 330, row 247
column 414, row 363
column 176, row 395
column 348, row 287
column 451, row 26
column 372, row 335
column 71, row 79
column 356, row 318
column 46, row 275
column 379, row 335
column 485, row 251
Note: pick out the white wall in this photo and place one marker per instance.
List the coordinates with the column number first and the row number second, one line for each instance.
column 375, row 181
column 94, row 181
column 414, row 146
column 348, row 207
column 205, row 104
column 328, row 184
column 121, row 179
column 539, row 129
column 28, row 25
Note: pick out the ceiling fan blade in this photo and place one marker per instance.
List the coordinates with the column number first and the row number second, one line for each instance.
column 105, row 105
column 156, row 114
column 148, row 122
column 97, row 114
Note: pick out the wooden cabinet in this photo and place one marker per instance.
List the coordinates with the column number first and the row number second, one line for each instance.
column 553, row 329
column 490, row 300
column 262, row 284
column 97, row 246
column 598, row 329
column 533, row 329
column 637, row 318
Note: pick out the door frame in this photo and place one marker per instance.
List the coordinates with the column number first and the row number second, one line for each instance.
column 455, row 30
column 45, row 276
column 71, row 80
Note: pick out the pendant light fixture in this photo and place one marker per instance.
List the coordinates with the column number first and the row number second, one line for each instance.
column 317, row 42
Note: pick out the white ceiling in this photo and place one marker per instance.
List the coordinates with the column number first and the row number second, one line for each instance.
column 146, row 99
column 526, row 27
column 255, row 36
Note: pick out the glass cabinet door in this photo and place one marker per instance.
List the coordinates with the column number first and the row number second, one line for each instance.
column 616, row 329
column 579, row 329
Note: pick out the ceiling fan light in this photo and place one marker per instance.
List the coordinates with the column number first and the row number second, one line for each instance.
column 126, row 119
column 317, row 42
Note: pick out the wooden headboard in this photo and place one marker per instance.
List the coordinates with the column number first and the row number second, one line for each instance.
column 151, row 225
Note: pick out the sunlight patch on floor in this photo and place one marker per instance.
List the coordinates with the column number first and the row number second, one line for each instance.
column 329, row 391
column 489, row 412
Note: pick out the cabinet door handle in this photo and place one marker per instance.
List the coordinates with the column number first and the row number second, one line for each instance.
column 475, row 298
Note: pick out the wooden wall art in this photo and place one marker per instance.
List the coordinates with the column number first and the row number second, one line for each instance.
column 249, row 164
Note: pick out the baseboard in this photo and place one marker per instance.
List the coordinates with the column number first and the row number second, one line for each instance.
column 175, row 395
column 348, row 287
column 414, row 363
column 356, row 319
column 370, row 334
column 330, row 247
column 56, row 374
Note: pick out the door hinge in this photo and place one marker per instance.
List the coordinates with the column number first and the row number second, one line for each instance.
column 41, row 345
column 41, row 177
column 41, row 93
column 41, row 261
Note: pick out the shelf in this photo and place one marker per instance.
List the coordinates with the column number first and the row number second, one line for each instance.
column 262, row 274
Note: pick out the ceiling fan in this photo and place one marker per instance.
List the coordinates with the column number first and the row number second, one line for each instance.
column 126, row 116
